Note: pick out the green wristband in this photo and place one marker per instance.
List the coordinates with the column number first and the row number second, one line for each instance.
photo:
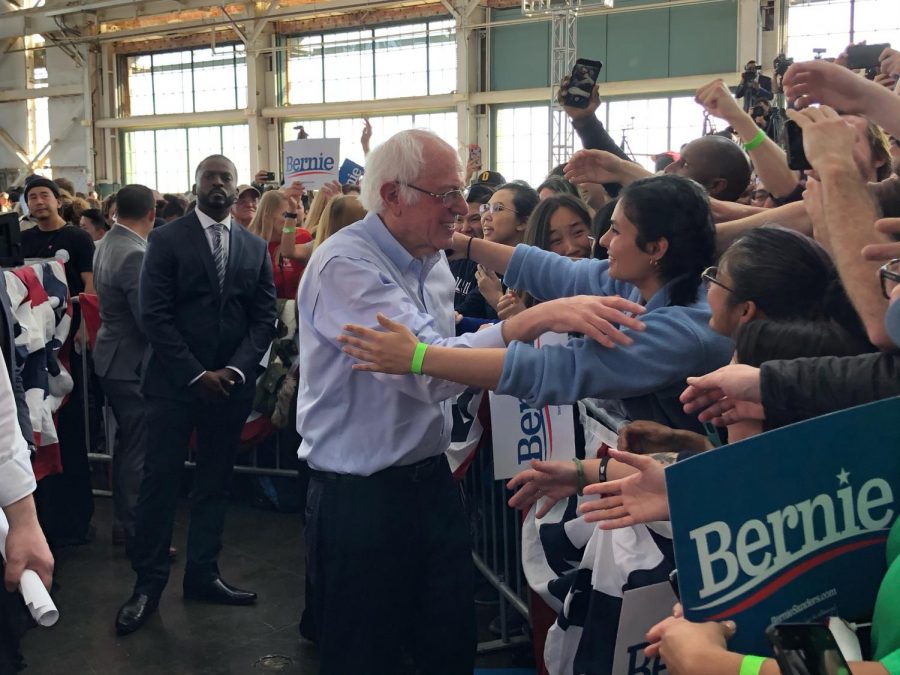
column 418, row 358
column 752, row 665
column 581, row 478
column 756, row 141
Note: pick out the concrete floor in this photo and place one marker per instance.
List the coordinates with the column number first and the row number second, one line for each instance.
column 262, row 552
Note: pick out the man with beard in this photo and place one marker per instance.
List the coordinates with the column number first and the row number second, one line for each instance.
column 207, row 304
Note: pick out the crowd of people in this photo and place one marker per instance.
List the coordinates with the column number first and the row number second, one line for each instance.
column 719, row 297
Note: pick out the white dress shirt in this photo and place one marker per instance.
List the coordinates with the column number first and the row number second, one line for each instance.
column 355, row 422
column 16, row 475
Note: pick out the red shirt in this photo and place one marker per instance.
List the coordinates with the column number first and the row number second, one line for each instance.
column 287, row 272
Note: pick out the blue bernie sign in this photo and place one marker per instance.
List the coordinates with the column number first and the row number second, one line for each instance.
column 350, row 173
column 790, row 525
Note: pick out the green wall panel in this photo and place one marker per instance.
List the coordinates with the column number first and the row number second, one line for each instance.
column 646, row 44
column 591, row 40
column 638, row 45
column 520, row 53
column 716, row 51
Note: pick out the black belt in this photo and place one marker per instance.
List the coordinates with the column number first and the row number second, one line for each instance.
column 417, row 471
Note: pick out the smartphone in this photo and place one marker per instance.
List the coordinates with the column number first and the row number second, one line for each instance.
column 581, row 83
column 270, row 176
column 792, row 142
column 475, row 154
column 860, row 57
column 806, row 649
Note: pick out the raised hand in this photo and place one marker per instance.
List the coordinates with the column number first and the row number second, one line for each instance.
column 594, row 166
column 593, row 315
column 717, row 100
column 638, row 498
column 509, row 305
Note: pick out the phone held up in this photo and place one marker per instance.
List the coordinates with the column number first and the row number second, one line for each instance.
column 475, row 154
column 792, row 142
column 581, row 83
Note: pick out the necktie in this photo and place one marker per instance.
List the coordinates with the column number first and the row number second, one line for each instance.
column 219, row 252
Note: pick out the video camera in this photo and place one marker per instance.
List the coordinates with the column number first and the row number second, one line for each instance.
column 781, row 64
column 751, row 73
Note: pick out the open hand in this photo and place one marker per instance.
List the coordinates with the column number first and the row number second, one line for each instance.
column 725, row 396
column 489, row 286
column 551, row 480
column 593, row 166
column 387, row 351
column 595, row 316
column 638, row 498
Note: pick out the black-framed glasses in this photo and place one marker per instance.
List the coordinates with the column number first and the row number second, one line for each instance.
column 447, row 198
column 889, row 273
column 496, row 207
column 710, row 274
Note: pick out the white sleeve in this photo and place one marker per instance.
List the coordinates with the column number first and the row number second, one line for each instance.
column 16, row 476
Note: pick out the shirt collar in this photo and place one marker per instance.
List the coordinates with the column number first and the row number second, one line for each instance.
column 206, row 221
column 128, row 232
column 393, row 249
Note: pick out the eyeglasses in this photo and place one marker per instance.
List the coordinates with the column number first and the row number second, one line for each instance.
column 496, row 207
column 447, row 198
column 709, row 276
column 889, row 273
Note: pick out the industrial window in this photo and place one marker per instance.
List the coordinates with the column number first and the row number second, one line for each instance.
column 826, row 27
column 194, row 80
column 416, row 59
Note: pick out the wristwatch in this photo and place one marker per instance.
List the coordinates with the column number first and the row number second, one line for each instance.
column 289, row 214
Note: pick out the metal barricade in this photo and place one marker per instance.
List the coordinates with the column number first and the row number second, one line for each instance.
column 497, row 548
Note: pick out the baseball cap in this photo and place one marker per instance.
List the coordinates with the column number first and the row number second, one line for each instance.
column 241, row 189
column 489, row 178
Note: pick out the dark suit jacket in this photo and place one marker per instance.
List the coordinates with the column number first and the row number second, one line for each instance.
column 190, row 324
column 120, row 345
column 8, row 345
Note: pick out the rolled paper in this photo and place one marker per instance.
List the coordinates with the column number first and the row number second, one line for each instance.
column 33, row 591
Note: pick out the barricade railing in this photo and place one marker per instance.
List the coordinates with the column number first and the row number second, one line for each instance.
column 497, row 550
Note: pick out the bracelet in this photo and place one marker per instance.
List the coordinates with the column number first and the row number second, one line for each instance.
column 469, row 248
column 604, row 462
column 289, row 230
column 418, row 357
column 752, row 665
column 579, row 472
column 756, row 141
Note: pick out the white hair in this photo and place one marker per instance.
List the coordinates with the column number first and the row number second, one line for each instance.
column 400, row 159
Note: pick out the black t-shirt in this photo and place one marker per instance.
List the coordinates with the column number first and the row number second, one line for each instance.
column 39, row 244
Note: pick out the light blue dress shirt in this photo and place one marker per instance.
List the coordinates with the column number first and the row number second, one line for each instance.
column 355, row 422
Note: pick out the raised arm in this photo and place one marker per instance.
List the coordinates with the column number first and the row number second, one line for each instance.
column 768, row 159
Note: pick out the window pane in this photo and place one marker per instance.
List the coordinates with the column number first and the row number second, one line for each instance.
column 523, row 143
column 443, row 124
column 236, row 146
column 442, row 57
column 687, row 123
column 304, row 70
column 172, row 170
column 214, row 78
column 348, row 66
column 401, row 61
column 877, row 21
column 818, row 26
column 140, row 84
column 140, row 158
column 172, row 87
column 645, row 124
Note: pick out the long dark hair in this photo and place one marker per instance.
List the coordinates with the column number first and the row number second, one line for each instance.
column 766, row 340
column 788, row 276
column 676, row 208
column 537, row 232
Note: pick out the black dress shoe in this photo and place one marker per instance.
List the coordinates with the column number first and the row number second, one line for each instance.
column 134, row 613
column 217, row 591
